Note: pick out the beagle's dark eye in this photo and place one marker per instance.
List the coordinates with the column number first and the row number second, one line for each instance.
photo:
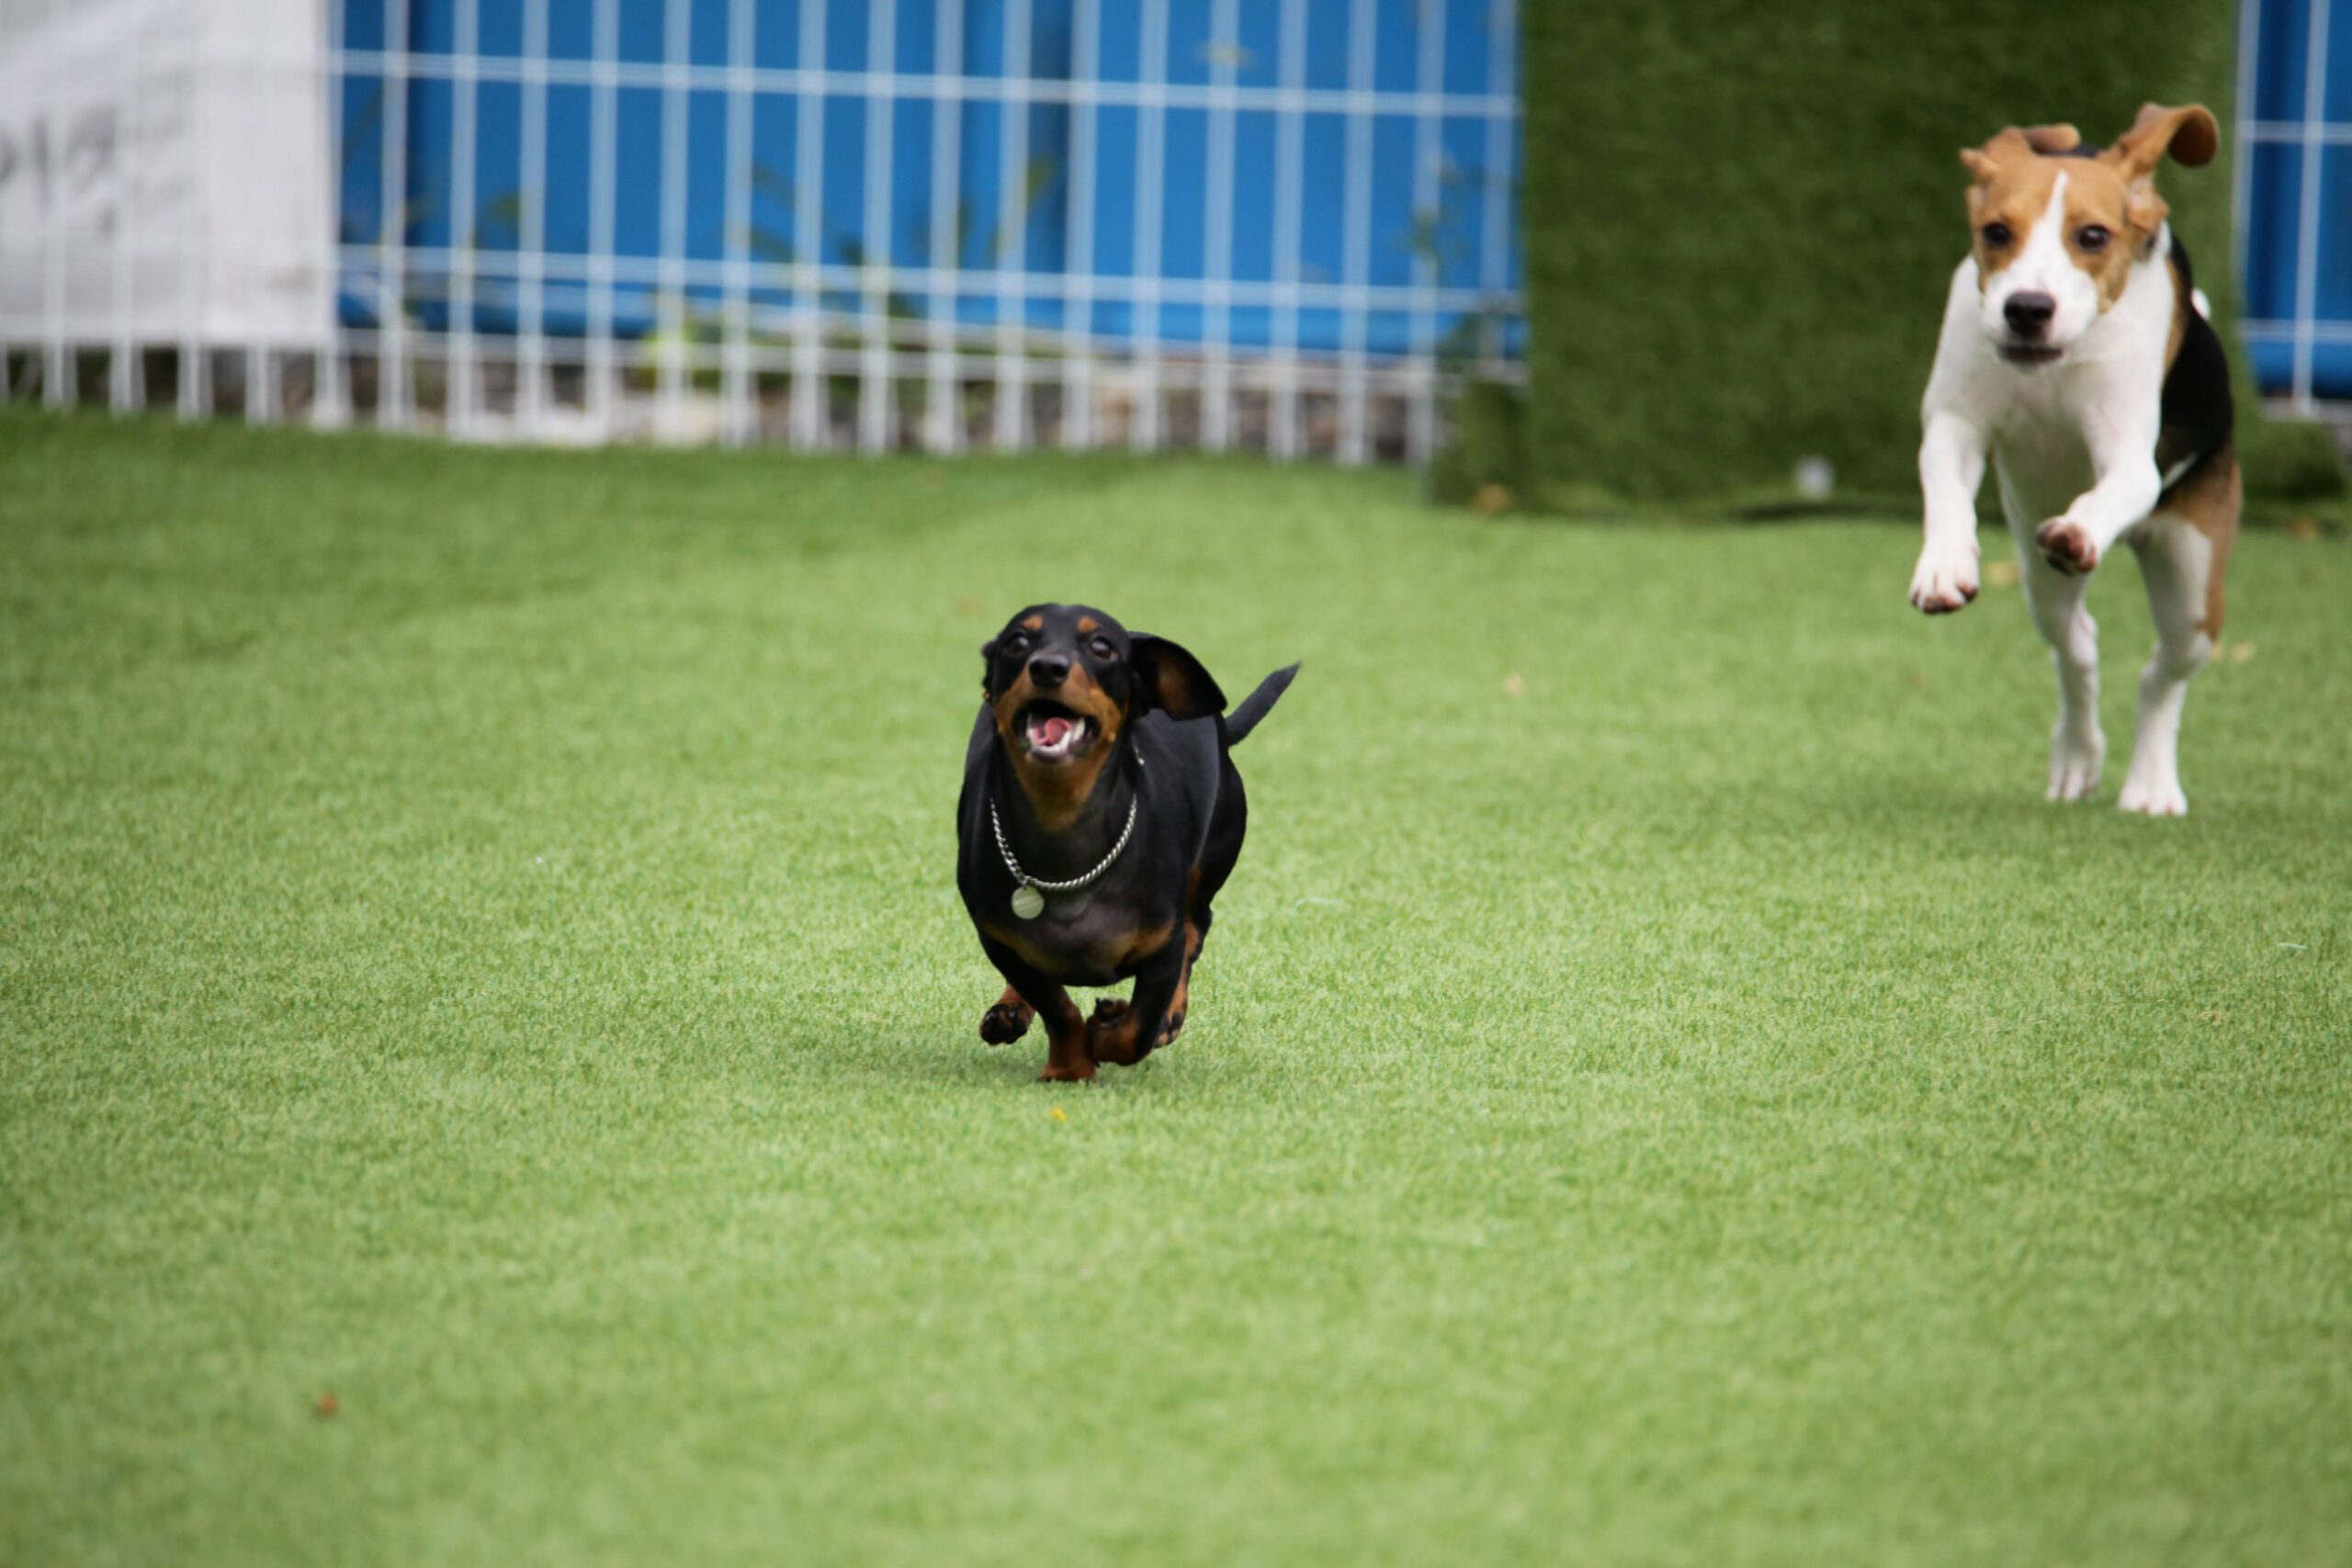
column 1016, row 642
column 1996, row 235
column 1101, row 647
column 2092, row 238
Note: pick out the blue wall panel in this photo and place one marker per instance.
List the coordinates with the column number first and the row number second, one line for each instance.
column 2272, row 269
column 1453, row 236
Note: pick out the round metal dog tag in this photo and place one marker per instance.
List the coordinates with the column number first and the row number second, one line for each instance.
column 1027, row 902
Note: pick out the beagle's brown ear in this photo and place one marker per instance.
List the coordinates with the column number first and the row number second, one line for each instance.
column 2189, row 133
column 1171, row 680
column 2006, row 147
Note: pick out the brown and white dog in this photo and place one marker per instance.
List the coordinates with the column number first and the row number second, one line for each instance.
column 2076, row 354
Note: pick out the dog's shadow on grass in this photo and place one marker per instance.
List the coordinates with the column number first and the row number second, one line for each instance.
column 1903, row 813
column 935, row 1052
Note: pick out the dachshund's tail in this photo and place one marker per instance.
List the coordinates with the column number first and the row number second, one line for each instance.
column 1257, row 705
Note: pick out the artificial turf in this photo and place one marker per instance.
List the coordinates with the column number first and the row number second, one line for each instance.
column 478, row 939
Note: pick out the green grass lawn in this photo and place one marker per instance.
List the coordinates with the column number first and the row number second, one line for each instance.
column 480, row 937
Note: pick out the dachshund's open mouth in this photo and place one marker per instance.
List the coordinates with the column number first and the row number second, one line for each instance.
column 1053, row 733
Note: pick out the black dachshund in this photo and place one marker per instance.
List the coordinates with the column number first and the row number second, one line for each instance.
column 1100, row 813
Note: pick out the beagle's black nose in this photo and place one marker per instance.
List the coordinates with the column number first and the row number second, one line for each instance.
column 1048, row 671
column 2029, row 313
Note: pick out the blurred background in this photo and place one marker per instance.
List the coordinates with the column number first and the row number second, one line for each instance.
column 1289, row 226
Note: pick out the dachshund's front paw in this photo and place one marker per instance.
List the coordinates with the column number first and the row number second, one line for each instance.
column 2067, row 544
column 1111, row 1032
column 1006, row 1022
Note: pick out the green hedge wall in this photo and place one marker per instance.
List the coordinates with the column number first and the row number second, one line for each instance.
column 1741, row 216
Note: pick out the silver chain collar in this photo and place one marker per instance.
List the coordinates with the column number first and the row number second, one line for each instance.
column 1075, row 883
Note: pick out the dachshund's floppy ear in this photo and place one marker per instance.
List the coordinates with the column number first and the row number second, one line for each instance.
column 987, row 667
column 1171, row 680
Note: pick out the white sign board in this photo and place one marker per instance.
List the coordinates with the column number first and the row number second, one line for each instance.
column 165, row 172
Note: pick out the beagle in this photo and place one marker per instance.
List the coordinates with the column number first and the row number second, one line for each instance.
column 2076, row 354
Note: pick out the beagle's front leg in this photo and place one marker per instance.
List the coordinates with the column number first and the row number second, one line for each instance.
column 1952, row 468
column 2122, row 448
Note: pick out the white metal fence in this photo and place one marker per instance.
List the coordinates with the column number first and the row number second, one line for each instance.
column 1283, row 225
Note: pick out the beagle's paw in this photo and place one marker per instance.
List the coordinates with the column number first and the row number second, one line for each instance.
column 2152, row 796
column 2067, row 546
column 1945, row 580
column 2075, row 762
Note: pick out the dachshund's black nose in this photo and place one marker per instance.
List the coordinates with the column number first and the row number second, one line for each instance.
column 1048, row 669
column 2029, row 313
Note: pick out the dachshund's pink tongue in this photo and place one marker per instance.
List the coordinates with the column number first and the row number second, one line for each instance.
column 1050, row 731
